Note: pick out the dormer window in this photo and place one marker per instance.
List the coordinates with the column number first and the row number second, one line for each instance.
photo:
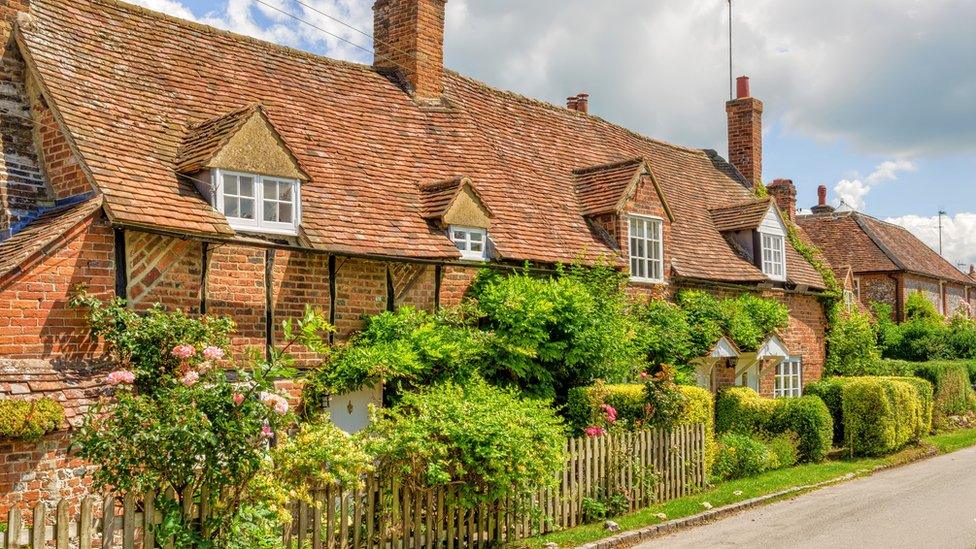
column 773, row 256
column 472, row 242
column 257, row 203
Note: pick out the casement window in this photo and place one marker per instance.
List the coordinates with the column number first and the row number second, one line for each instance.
column 646, row 248
column 773, row 256
column 789, row 378
column 472, row 242
column 259, row 203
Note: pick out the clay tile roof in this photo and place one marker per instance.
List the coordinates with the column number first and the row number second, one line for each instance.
column 128, row 83
column 34, row 237
column 205, row 139
column 437, row 197
column 601, row 188
column 739, row 217
column 868, row 244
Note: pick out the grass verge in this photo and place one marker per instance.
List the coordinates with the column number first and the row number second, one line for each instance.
column 735, row 491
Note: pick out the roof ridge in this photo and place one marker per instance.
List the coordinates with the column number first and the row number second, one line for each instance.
column 609, row 165
column 757, row 200
column 288, row 50
column 255, row 106
column 586, row 115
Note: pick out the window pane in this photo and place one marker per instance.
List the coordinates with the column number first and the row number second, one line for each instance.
column 247, row 208
column 247, row 186
column 475, row 236
column 284, row 213
column 230, row 184
column 476, row 246
column 232, row 207
column 270, row 211
column 458, row 235
column 284, row 191
column 270, row 190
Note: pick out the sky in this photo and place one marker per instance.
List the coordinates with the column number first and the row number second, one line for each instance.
column 876, row 99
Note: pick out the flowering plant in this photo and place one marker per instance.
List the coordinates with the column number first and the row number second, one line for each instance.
column 177, row 422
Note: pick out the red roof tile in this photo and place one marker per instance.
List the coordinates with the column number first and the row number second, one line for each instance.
column 42, row 231
column 436, row 198
column 748, row 215
column 128, row 82
column 204, row 140
column 868, row 244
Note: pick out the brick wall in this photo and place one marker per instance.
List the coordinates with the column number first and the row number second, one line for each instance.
column 881, row 288
column 163, row 270
column 454, row 284
column 41, row 470
column 360, row 290
column 35, row 320
column 21, row 178
column 61, row 166
column 299, row 279
column 235, row 288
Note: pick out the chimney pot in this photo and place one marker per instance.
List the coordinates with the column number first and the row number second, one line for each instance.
column 583, row 102
column 822, row 195
column 572, row 103
column 742, row 87
column 784, row 193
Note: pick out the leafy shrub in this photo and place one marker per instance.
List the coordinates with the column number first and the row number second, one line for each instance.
column 950, row 380
column 489, row 441
column 926, row 399
column 810, row 420
column 741, row 455
column 885, row 328
column 880, row 415
column 552, row 334
column 851, row 344
column 583, row 405
column 962, row 337
column 923, row 336
column 29, row 419
column 665, row 336
column 698, row 406
column 405, row 349
column 829, row 391
column 742, row 410
column 747, row 319
column 785, row 447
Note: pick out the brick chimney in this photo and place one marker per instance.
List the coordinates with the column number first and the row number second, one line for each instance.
column 579, row 102
column 745, row 132
column 408, row 37
column 822, row 207
column 784, row 193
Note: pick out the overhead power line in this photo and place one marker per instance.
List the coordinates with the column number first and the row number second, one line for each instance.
column 314, row 26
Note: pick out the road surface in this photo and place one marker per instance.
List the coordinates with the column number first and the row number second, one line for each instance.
column 930, row 503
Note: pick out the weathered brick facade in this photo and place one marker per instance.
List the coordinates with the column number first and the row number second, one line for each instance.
column 400, row 29
column 745, row 133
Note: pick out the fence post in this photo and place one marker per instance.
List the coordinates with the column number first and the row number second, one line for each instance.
column 13, row 528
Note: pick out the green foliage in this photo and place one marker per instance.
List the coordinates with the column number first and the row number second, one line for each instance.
column 489, row 441
column 29, row 419
column 885, row 328
column 698, row 406
column 741, row 455
column 962, row 337
column 918, row 307
column 881, row 415
column 747, row 319
column 786, row 448
column 810, row 420
column 177, row 423
column 552, row 334
column 405, row 350
column 953, row 392
column 814, row 256
column 665, row 335
column 851, row 343
column 584, row 405
column 829, row 391
column 742, row 410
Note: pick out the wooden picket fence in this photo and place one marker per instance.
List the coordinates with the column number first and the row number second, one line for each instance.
column 646, row 466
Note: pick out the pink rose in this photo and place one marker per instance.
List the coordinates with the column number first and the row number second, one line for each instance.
column 281, row 407
column 644, row 375
column 213, row 353
column 266, row 431
column 190, row 378
column 593, row 431
column 277, row 402
column 183, row 351
column 610, row 411
column 120, row 376
column 238, row 398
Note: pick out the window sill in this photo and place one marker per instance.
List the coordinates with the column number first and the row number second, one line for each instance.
column 648, row 281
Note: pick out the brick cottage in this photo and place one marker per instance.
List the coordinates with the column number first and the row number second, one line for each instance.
column 887, row 262
column 164, row 161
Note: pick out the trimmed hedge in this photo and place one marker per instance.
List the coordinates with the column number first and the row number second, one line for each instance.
column 885, row 420
column 950, row 379
column 29, row 419
column 881, row 415
column 699, row 407
column 742, row 410
column 583, row 403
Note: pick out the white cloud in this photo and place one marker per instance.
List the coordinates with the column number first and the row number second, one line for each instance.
column 169, row 7
column 851, row 192
column 958, row 235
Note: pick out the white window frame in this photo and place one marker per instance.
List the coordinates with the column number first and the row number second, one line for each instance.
column 788, row 381
column 769, row 261
column 649, row 262
column 258, row 224
column 464, row 244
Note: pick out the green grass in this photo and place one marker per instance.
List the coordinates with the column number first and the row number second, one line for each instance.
column 766, row 483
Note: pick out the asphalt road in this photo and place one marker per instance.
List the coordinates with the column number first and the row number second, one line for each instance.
column 930, row 503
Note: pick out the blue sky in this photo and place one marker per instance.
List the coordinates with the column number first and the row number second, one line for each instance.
column 869, row 98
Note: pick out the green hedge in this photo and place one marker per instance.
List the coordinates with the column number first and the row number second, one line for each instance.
column 583, row 404
column 953, row 392
column 699, row 407
column 742, row 410
column 29, row 419
column 884, row 418
column 881, row 415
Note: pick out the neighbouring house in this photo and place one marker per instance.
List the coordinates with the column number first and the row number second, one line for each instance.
column 163, row 161
column 886, row 261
